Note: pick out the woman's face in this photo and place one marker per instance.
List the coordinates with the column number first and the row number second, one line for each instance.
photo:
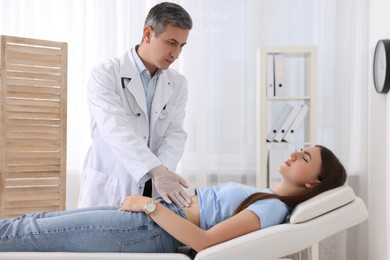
column 303, row 167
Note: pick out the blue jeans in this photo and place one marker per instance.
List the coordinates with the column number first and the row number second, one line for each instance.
column 97, row 229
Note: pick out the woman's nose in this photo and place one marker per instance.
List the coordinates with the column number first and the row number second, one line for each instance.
column 295, row 155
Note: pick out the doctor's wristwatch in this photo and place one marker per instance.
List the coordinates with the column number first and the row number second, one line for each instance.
column 150, row 207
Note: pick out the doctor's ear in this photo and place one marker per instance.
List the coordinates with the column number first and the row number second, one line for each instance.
column 147, row 33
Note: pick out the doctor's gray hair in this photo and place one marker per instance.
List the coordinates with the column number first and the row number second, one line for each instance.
column 168, row 13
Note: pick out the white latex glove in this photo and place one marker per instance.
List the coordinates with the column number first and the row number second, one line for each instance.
column 170, row 186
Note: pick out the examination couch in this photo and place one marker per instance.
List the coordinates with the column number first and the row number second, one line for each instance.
column 310, row 222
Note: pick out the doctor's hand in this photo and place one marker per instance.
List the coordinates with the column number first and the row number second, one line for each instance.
column 170, row 186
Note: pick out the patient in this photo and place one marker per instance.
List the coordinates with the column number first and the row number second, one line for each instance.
column 217, row 214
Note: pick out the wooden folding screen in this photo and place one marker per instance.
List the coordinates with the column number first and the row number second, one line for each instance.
column 33, row 81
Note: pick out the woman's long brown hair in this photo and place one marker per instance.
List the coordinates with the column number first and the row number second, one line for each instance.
column 332, row 174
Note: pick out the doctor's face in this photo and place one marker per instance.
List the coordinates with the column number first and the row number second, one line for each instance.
column 165, row 48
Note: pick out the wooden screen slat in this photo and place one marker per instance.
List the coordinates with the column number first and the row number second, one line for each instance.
column 32, row 122
column 38, row 192
column 40, row 91
column 34, row 129
column 12, row 114
column 33, row 81
column 32, row 174
column 38, row 109
column 32, row 203
column 34, row 95
column 28, row 75
column 32, row 103
column 33, row 69
column 32, row 155
column 32, row 182
column 33, row 42
column 12, row 47
column 23, row 171
column 32, row 148
column 32, row 135
column 33, row 59
column 32, row 161
column 36, row 141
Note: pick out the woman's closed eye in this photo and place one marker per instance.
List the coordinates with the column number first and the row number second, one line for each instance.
column 306, row 156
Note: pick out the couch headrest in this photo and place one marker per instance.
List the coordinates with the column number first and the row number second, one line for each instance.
column 321, row 204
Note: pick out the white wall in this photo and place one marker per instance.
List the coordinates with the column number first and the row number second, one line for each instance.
column 370, row 240
column 379, row 144
column 72, row 188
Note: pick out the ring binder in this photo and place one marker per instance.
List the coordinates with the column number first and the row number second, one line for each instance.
column 287, row 123
column 290, row 134
column 279, row 122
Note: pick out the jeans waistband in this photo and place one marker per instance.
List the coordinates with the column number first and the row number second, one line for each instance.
column 173, row 207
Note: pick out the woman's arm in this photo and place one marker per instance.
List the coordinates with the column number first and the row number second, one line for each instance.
column 191, row 235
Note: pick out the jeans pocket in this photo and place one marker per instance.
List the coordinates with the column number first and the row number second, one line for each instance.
column 148, row 243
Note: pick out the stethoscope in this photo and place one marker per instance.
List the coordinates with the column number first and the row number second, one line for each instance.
column 163, row 114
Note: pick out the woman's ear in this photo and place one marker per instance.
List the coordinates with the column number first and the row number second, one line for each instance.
column 312, row 184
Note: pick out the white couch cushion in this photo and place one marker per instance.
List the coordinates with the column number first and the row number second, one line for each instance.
column 322, row 203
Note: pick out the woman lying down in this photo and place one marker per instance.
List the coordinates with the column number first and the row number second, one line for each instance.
column 217, row 214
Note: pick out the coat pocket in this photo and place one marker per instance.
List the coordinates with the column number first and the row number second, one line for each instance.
column 164, row 120
column 98, row 189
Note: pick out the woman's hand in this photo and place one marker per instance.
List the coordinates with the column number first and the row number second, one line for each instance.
column 135, row 203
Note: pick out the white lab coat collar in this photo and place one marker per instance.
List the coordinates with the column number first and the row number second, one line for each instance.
column 128, row 69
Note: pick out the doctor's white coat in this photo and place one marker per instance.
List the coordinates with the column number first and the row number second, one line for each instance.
column 119, row 158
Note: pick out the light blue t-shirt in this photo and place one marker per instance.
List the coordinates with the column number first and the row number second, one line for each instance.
column 219, row 202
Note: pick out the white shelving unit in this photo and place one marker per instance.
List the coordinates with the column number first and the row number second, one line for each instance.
column 300, row 83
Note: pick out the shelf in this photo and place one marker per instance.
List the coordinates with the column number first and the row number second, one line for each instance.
column 304, row 50
column 301, row 80
column 287, row 98
column 304, row 143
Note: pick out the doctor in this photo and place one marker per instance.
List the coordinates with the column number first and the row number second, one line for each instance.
column 137, row 110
